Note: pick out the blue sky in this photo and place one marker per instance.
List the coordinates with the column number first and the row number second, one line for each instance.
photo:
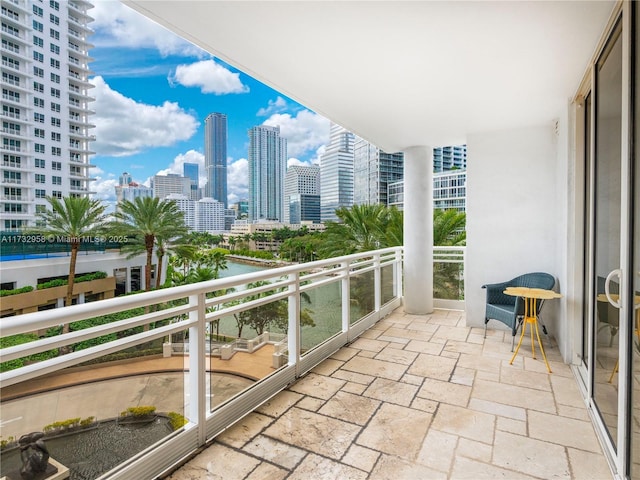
column 153, row 91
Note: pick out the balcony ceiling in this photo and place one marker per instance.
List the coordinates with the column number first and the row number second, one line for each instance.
column 403, row 73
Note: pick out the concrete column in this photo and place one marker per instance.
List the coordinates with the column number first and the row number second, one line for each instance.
column 418, row 230
column 127, row 276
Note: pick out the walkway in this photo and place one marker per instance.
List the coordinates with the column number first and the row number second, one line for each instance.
column 416, row 397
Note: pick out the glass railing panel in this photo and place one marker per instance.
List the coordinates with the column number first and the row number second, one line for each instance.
column 362, row 293
column 98, row 414
column 320, row 315
column 387, row 283
column 448, row 280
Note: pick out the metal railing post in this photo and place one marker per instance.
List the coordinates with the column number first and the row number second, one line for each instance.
column 346, row 295
column 197, row 367
column 293, row 337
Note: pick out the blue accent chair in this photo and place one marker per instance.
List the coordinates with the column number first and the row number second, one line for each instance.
column 510, row 310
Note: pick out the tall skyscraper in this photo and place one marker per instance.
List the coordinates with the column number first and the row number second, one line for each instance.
column 190, row 170
column 336, row 173
column 267, row 165
column 302, row 194
column 373, row 170
column 45, row 106
column 215, row 156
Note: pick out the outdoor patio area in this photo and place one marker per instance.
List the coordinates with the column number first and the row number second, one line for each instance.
column 416, row 397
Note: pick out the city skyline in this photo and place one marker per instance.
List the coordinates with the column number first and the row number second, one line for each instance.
column 153, row 92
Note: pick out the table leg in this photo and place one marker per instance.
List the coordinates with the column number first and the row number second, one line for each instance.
column 530, row 318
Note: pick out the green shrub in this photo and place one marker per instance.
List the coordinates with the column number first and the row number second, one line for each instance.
column 59, row 282
column 52, row 283
column 85, row 422
column 138, row 411
column 20, row 362
column 6, row 443
column 69, row 423
column 16, row 291
column 177, row 420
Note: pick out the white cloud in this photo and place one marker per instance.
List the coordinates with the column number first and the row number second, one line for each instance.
column 304, row 132
column 177, row 166
column 126, row 127
column 237, row 180
column 210, row 77
column 117, row 25
column 275, row 106
column 104, row 188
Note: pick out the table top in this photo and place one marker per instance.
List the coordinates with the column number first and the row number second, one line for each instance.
column 539, row 293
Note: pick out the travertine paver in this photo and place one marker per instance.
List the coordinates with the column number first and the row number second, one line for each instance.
column 416, row 397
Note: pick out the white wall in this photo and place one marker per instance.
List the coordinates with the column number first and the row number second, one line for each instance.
column 516, row 220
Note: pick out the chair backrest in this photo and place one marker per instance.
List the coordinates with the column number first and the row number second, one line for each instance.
column 534, row 280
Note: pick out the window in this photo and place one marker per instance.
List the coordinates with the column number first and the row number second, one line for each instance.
column 37, row 41
column 55, row 78
column 55, row 122
column 40, row 193
column 76, row 184
column 13, row 47
column 13, row 208
column 38, row 102
column 56, row 165
column 11, row 79
column 40, row 178
column 11, row 63
column 55, row 107
column 55, row 5
column 54, row 19
column 9, row 160
column 56, row 151
column 56, row 194
column 41, row 208
column 55, row 49
column 39, row 147
column 38, row 57
column 56, row 180
column 37, row 26
column 37, row 11
column 10, row 95
column 38, row 72
column 38, row 87
column 39, row 132
column 55, row 34
column 10, row 13
column 11, row 112
column 38, row 117
column 55, row 63
column 55, row 136
column 11, row 144
column 40, row 163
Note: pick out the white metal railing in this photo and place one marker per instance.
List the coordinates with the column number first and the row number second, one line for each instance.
column 373, row 278
column 448, row 277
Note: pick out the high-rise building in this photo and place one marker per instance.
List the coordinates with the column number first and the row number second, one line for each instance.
column 164, row 185
column 129, row 190
column 373, row 170
column 210, row 215
column 450, row 158
column 215, row 156
column 449, row 191
column 186, row 206
column 336, row 173
column 45, row 106
column 302, row 194
column 267, row 165
column 190, row 170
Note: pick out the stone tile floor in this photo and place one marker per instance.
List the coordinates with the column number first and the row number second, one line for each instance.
column 416, row 397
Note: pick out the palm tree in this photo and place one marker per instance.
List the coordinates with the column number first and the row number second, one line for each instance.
column 449, row 228
column 144, row 221
column 74, row 219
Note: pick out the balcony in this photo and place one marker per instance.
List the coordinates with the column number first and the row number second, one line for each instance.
column 363, row 391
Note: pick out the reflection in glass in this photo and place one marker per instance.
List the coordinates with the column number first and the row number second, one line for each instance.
column 388, row 284
column 362, row 296
column 607, row 227
column 320, row 315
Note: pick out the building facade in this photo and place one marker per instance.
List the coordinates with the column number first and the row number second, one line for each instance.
column 267, row 165
column 45, row 106
column 336, row 173
column 302, row 194
column 373, row 170
column 164, row 185
column 449, row 158
column 190, row 170
column 209, row 215
column 215, row 156
column 449, row 191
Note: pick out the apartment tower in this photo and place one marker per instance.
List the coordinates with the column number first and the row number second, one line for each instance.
column 45, row 106
column 302, row 194
column 373, row 171
column 215, row 156
column 336, row 173
column 267, row 165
